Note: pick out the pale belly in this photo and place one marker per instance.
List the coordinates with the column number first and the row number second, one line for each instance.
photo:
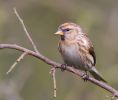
column 72, row 57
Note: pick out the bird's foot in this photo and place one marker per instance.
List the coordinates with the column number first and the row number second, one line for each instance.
column 63, row 67
column 85, row 76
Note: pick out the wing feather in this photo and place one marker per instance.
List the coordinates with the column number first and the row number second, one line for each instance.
column 91, row 51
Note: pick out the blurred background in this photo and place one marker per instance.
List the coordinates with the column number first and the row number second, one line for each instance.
column 30, row 80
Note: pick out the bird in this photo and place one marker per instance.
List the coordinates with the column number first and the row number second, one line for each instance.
column 77, row 49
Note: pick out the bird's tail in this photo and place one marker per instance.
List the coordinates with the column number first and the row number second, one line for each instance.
column 97, row 75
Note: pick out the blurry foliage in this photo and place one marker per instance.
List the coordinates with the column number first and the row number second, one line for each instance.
column 30, row 80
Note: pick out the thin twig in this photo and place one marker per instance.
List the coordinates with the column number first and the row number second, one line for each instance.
column 16, row 62
column 57, row 65
column 24, row 28
column 30, row 39
column 52, row 72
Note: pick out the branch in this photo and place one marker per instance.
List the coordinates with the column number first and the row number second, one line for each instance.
column 52, row 72
column 16, row 62
column 25, row 30
column 57, row 65
column 35, row 49
column 30, row 40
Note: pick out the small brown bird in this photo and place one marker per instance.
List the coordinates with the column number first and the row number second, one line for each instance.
column 77, row 50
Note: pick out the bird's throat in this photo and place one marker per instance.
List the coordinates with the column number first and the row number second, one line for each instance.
column 62, row 37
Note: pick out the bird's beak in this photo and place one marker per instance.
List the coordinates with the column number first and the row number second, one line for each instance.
column 59, row 33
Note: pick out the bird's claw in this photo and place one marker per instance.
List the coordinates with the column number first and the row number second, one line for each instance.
column 63, row 67
column 85, row 77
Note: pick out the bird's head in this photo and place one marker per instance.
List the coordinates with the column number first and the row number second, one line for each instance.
column 69, row 31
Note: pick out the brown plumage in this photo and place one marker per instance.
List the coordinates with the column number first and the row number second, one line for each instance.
column 77, row 49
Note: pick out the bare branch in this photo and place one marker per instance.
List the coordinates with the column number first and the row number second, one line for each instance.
column 26, row 32
column 52, row 72
column 16, row 62
column 30, row 39
column 57, row 65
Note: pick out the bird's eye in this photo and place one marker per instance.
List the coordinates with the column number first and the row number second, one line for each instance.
column 66, row 30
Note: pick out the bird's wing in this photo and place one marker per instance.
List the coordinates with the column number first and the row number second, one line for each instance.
column 91, row 51
column 87, row 47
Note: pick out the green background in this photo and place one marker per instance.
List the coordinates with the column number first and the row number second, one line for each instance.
column 30, row 80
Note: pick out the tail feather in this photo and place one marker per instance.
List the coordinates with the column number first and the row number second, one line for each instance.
column 96, row 74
